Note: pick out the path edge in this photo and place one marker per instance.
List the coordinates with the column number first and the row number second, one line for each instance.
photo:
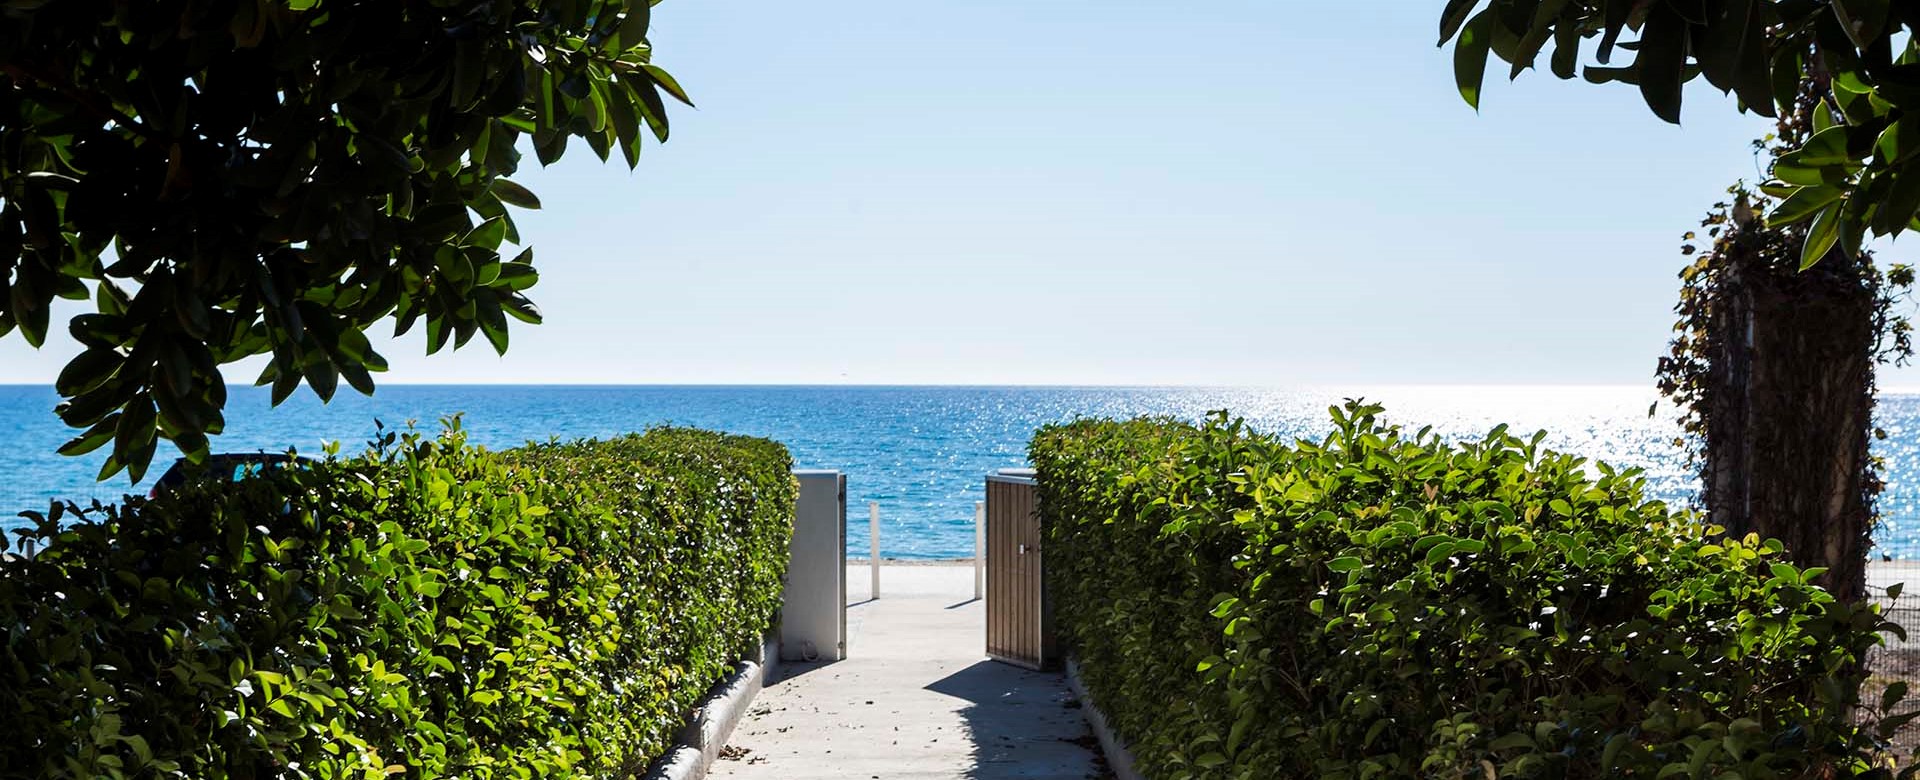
column 1119, row 758
column 714, row 718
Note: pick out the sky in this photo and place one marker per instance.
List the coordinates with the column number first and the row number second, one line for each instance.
column 1235, row 192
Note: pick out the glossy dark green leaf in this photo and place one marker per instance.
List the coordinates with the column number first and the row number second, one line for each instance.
column 321, row 376
column 488, row 235
column 1733, row 55
column 1821, row 236
column 514, row 194
column 87, row 371
column 1902, row 202
column 1899, row 142
column 1470, row 56
column 285, row 379
column 357, row 377
column 517, row 306
column 93, row 438
column 1616, row 13
column 633, row 27
column 134, row 434
column 666, row 81
column 1805, row 176
column 1601, row 75
column 30, row 316
column 1453, row 16
column 1827, row 147
column 517, row 276
column 1566, row 50
column 651, row 107
column 1864, row 21
column 1803, row 204
column 1661, row 61
column 1539, row 30
column 492, row 320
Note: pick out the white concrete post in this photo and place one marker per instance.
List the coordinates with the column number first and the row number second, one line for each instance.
column 979, row 549
column 873, row 531
column 813, row 615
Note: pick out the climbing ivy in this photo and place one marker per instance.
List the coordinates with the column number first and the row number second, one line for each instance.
column 1772, row 368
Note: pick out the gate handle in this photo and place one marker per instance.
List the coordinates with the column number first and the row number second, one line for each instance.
column 1023, row 549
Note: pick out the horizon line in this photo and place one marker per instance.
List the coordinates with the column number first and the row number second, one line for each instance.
column 1117, row 385
column 1902, row 389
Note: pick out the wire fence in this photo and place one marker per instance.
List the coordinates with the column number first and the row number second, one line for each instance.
column 1898, row 658
column 15, row 502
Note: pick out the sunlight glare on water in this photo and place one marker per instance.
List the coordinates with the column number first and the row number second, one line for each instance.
column 921, row 451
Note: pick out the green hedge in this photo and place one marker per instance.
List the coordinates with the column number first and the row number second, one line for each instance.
column 1379, row 604
column 429, row 609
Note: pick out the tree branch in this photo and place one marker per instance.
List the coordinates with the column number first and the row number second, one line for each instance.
column 22, row 76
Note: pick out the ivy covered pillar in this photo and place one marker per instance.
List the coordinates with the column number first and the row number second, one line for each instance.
column 1789, row 404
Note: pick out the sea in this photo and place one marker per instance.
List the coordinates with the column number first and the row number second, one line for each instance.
column 919, row 452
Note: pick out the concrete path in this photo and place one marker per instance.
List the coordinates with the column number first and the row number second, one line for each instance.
column 916, row 698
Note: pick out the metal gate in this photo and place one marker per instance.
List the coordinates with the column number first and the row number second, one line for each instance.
column 1019, row 630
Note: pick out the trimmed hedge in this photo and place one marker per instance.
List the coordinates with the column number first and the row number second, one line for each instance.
column 429, row 609
column 1379, row 604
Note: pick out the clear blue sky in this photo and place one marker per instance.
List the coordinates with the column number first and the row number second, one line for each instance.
column 1012, row 191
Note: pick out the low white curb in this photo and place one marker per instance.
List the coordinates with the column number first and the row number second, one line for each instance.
column 1118, row 757
column 714, row 717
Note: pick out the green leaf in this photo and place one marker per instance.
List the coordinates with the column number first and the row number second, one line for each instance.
column 666, row 81
column 1598, row 75
column 518, row 307
column 1827, row 147
column 1821, row 237
column 1512, row 741
column 493, row 320
column 1804, row 176
column 1538, row 32
column 1610, row 755
column 88, row 371
column 93, row 438
column 633, row 28
column 1899, row 142
column 1470, row 56
column 1901, row 201
column 512, row 193
column 1617, row 13
column 1566, row 51
column 1662, row 60
column 1863, row 20
column 1803, row 204
column 487, row 235
column 1344, row 564
column 517, row 276
column 1453, row 16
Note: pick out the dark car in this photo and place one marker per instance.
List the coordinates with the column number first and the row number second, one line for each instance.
column 225, row 467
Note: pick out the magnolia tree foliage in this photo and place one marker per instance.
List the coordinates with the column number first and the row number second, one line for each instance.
column 1857, row 172
column 229, row 178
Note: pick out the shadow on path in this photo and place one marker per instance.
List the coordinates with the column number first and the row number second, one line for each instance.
column 1022, row 724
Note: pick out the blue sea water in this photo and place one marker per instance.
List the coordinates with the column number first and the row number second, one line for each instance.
column 918, row 451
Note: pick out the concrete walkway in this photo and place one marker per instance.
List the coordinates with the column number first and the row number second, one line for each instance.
column 916, row 698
